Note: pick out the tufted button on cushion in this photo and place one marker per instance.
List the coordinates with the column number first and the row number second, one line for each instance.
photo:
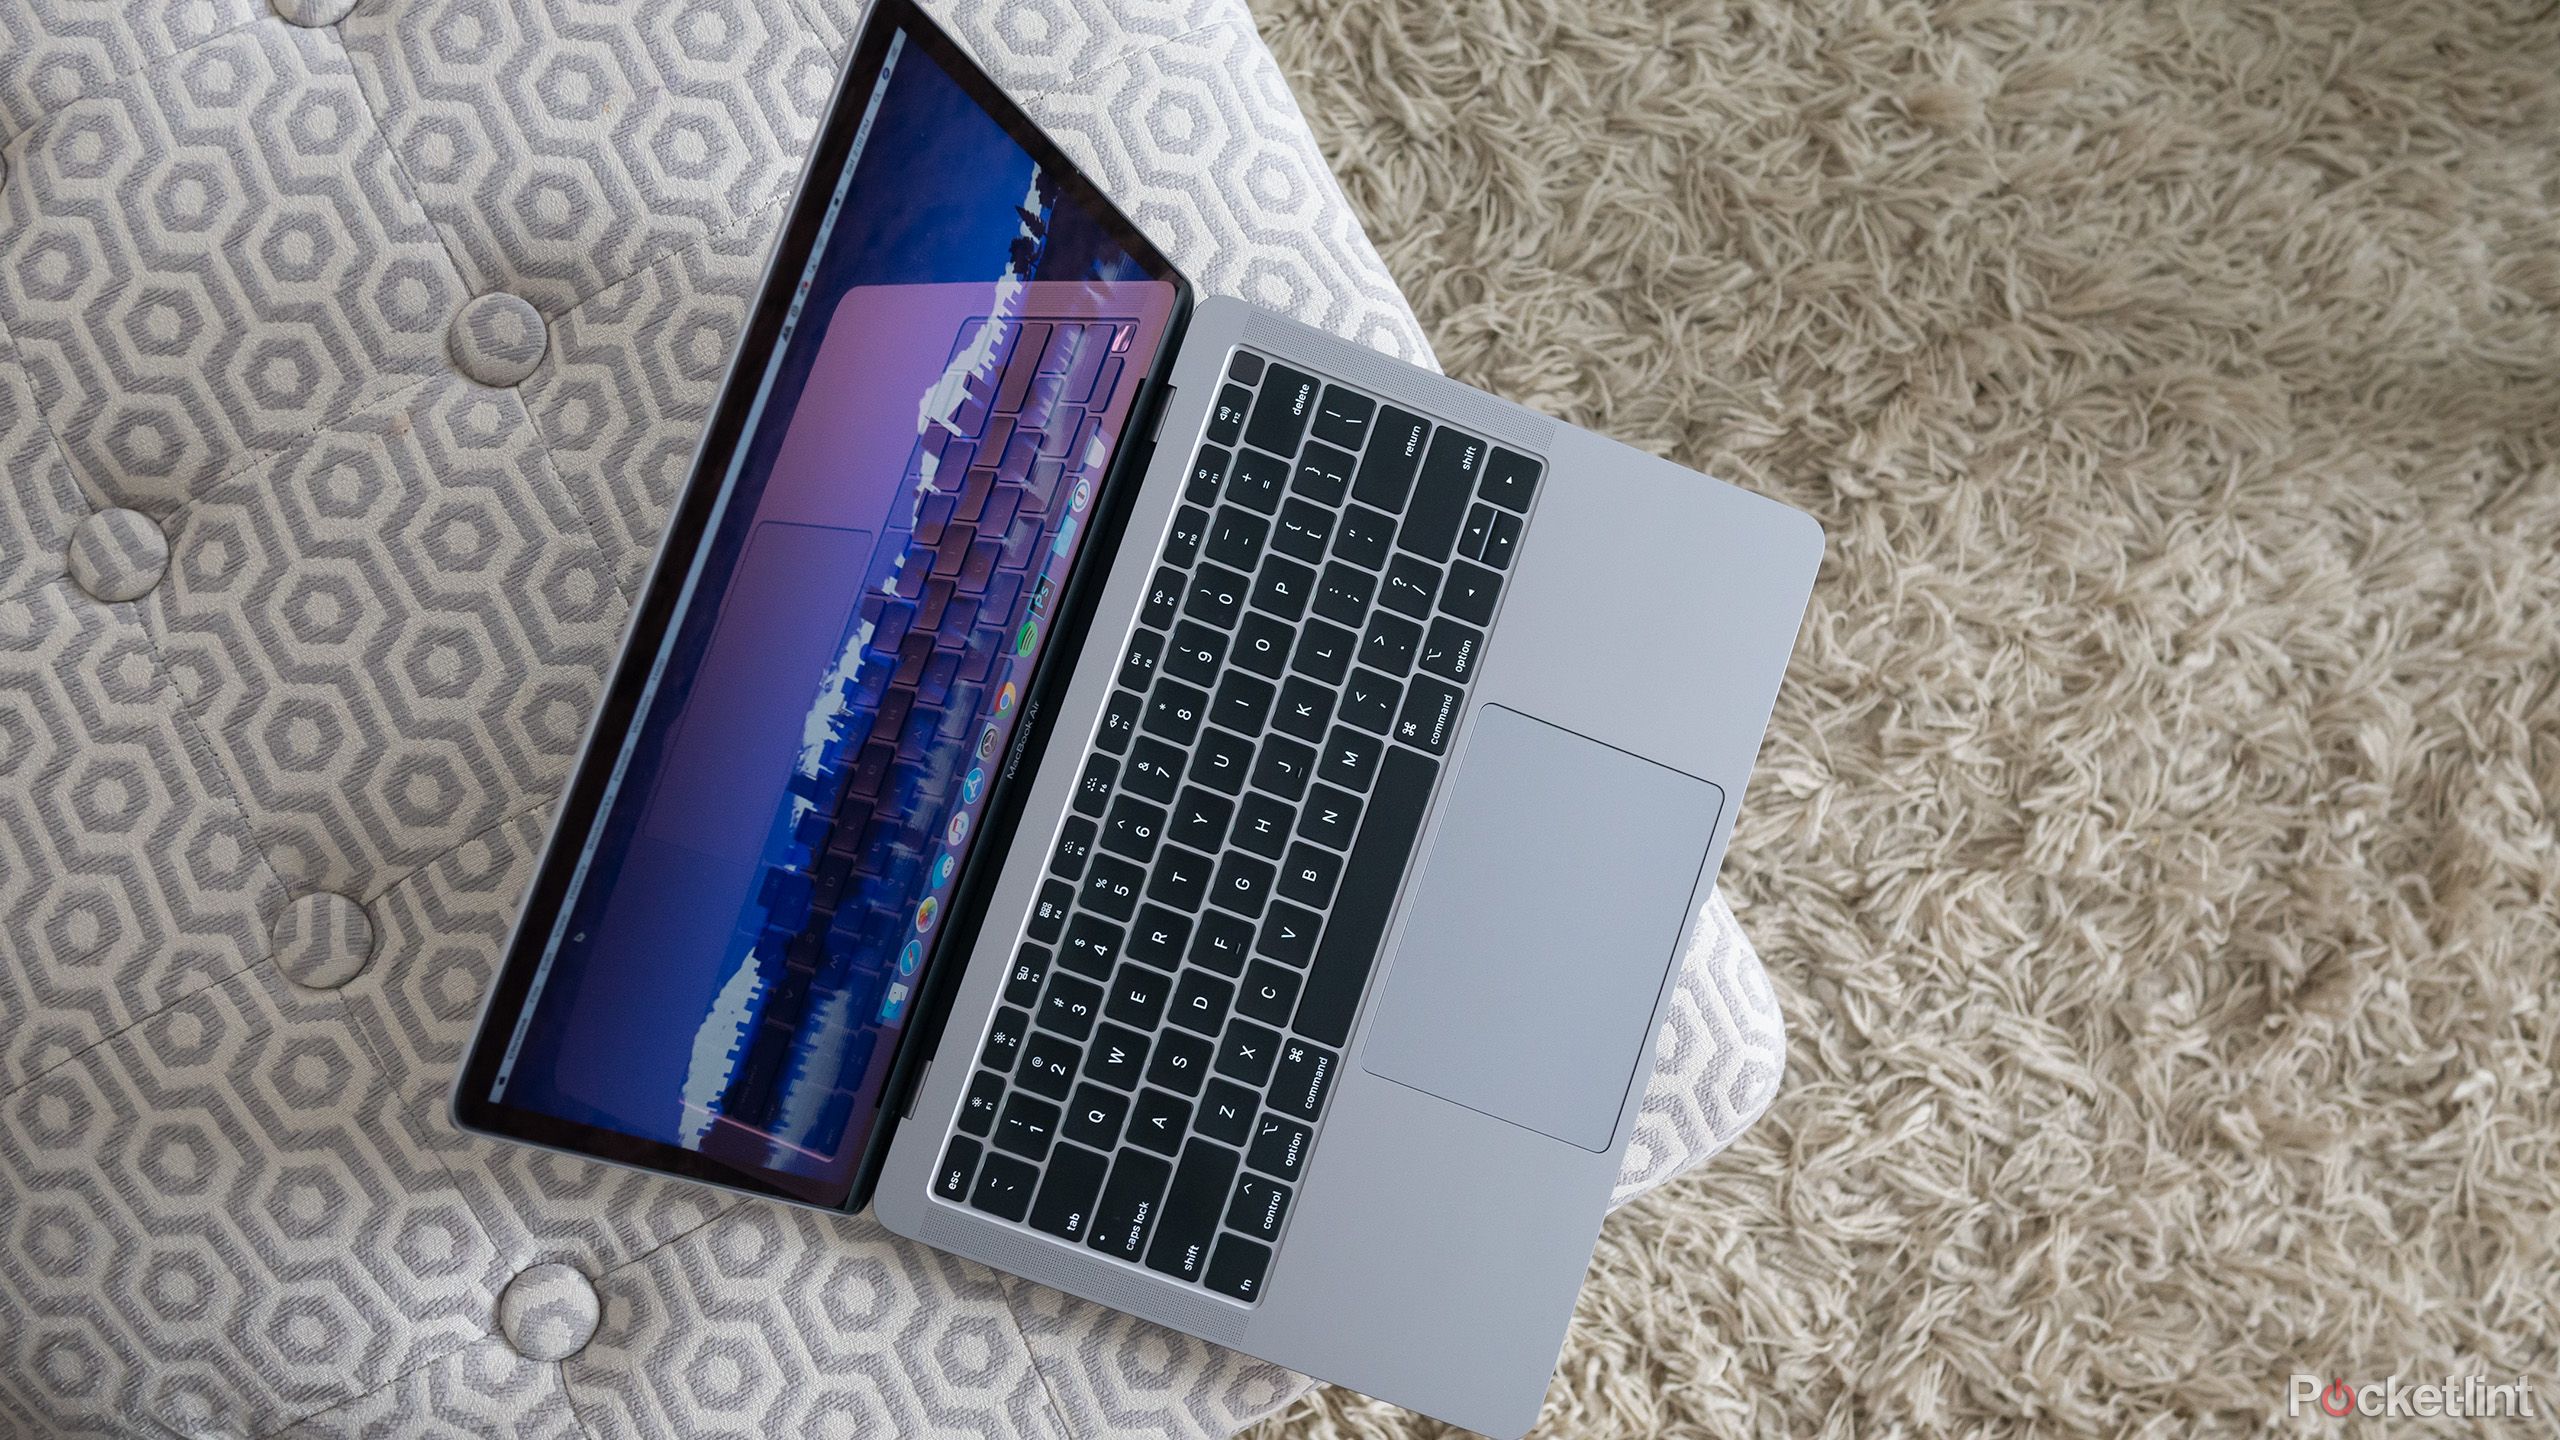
column 548, row 1312
column 323, row 940
column 498, row 339
column 117, row 555
column 314, row 13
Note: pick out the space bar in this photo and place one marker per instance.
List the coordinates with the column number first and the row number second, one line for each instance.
column 1370, row 883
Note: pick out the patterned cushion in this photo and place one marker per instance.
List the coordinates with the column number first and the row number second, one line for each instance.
column 349, row 356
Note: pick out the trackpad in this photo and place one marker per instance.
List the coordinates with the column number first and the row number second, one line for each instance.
column 1545, row 923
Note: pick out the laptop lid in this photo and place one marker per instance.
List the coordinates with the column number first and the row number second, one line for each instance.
column 838, row 664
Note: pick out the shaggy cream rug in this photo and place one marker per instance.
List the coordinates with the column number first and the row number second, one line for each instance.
column 2157, row 846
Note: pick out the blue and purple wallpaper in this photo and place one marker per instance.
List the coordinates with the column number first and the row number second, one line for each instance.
column 766, row 883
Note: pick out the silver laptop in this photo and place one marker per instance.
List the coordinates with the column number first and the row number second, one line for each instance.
column 1140, row 792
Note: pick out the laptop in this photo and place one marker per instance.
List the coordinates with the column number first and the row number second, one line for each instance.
column 1140, row 792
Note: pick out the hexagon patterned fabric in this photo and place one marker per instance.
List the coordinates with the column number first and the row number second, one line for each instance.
column 349, row 357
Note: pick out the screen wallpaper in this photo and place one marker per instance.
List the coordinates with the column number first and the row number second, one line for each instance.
column 766, row 883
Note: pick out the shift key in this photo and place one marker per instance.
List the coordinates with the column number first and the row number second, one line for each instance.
column 1191, row 1210
column 1439, row 504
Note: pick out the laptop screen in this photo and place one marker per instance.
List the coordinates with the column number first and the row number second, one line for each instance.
column 764, row 888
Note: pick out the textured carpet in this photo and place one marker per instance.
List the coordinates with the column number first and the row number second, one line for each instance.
column 2155, row 845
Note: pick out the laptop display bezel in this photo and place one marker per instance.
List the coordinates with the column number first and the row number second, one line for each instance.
column 581, row 806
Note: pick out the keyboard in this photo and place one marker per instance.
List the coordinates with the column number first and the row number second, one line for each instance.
column 1173, row 1021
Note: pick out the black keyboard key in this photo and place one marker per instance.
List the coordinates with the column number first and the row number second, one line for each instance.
column 1226, row 418
column 1226, row 1112
column 1324, row 473
column 1069, row 1009
column 1349, row 759
column 1369, row 700
column 1237, row 1266
column 1309, row 874
column 1247, row 1051
column 1195, row 653
column 1117, row 1058
column 1304, row 709
column 1470, row 592
column 1243, row 884
column 1022, row 983
column 1075, row 843
column 1244, row 366
column 1409, row 586
column 1262, row 826
column 1365, row 538
column 1222, row 762
column 1282, row 410
column 959, row 1167
column 1157, row 936
column 1269, row 993
column 1303, row 1080
column 1208, row 473
column 1192, row 1210
column 1325, row 651
column 1181, row 1062
column 1390, row 643
column 1190, row 530
column 1027, row 1126
column 1049, row 912
column 1509, row 479
column 1236, row 537
column 1258, row 1207
column 978, row 1109
column 1200, row 1001
column 1120, row 716
column 1215, row 595
column 1129, row 1200
column 1283, row 587
column 1439, row 502
column 1279, row 1147
column 1158, row 1121
column 1004, row 1039
column 1302, row 530
column 1164, row 597
column 1473, row 535
column 1154, row 769
column 1092, row 946
column 1181, row 879
column 1138, row 996
column 1200, row 819
column 1284, row 766
column 1430, row 715
column 1068, row 1188
column 1449, row 649
column 1243, row 702
column 1330, row 817
column 1175, row 711
column 1093, row 788
column 1111, row 887
column 1343, row 416
column 1258, row 480
column 1004, row 1187
column 1221, row 942
column 1289, row 934
column 1371, row 879
column 1133, row 828
column 1262, row 645
column 1395, row 452
column 1138, row 662
column 1095, row 1116
column 1049, row 1064
column 1343, row 594
column 1504, row 542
